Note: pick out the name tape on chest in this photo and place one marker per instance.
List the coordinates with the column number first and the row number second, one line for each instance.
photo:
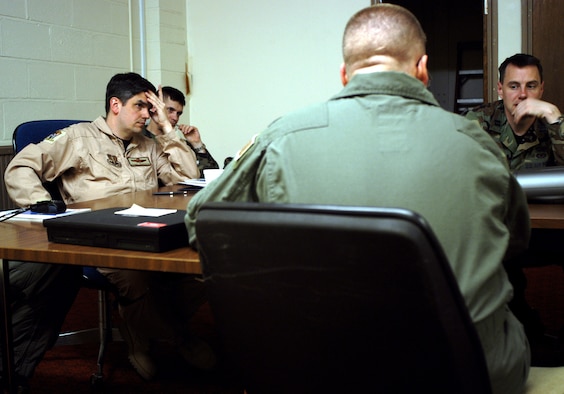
column 139, row 161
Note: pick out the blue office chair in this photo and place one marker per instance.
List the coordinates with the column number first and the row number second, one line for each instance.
column 331, row 299
column 33, row 132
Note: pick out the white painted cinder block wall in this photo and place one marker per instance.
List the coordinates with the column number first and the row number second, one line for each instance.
column 56, row 56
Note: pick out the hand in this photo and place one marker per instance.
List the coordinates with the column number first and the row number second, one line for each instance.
column 158, row 113
column 192, row 134
column 534, row 108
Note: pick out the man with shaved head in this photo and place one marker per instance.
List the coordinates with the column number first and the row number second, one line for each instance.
column 409, row 153
column 372, row 38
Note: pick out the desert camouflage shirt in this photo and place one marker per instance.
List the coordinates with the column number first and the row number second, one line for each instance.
column 542, row 145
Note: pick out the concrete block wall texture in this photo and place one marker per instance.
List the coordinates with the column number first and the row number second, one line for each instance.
column 166, row 43
column 56, row 56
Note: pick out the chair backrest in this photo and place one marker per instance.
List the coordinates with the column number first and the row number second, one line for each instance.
column 35, row 131
column 319, row 299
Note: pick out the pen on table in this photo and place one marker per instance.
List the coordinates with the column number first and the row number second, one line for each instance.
column 169, row 193
column 11, row 214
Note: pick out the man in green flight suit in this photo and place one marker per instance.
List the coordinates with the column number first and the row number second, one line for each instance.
column 387, row 119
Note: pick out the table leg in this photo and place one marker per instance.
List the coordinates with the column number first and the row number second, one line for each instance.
column 7, row 349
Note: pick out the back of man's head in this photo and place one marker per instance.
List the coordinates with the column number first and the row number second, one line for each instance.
column 383, row 32
column 126, row 85
column 520, row 60
column 174, row 95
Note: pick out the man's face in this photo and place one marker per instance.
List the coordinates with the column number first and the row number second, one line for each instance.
column 518, row 85
column 134, row 113
column 173, row 110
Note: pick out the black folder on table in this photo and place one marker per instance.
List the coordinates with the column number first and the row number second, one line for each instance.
column 104, row 228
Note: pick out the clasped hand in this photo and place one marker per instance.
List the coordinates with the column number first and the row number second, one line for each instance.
column 191, row 133
column 535, row 108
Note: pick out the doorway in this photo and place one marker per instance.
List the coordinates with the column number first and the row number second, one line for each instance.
column 544, row 40
column 455, row 44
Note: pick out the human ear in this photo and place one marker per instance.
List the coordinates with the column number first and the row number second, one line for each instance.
column 343, row 73
column 421, row 71
column 115, row 105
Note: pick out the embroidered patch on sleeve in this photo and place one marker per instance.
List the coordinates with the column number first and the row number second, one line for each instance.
column 55, row 136
column 245, row 148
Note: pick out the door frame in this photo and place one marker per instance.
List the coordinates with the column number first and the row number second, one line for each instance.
column 527, row 24
column 490, row 50
column 491, row 53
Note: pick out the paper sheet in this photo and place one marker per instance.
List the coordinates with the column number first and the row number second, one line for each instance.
column 39, row 217
column 137, row 210
column 201, row 182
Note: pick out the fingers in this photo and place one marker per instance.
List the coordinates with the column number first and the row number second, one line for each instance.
column 537, row 109
column 529, row 107
column 155, row 100
column 518, row 112
column 187, row 129
column 157, row 111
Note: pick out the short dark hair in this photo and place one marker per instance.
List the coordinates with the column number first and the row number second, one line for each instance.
column 382, row 30
column 174, row 94
column 126, row 85
column 520, row 60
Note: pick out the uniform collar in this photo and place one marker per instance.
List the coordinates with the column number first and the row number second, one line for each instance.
column 102, row 125
column 389, row 83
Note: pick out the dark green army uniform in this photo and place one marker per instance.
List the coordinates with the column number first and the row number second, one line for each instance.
column 541, row 146
column 409, row 153
column 204, row 160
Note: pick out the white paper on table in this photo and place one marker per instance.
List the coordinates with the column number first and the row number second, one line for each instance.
column 200, row 182
column 39, row 217
column 137, row 210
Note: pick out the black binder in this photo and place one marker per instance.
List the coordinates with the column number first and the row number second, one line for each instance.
column 104, row 228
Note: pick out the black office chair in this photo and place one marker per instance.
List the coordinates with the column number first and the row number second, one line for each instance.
column 333, row 299
column 33, row 132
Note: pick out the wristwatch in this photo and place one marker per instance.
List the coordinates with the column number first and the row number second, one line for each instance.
column 200, row 148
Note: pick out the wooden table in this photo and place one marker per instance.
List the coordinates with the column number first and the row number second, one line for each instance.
column 547, row 216
column 27, row 241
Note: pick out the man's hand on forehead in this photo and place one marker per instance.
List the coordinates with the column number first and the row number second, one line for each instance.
column 157, row 111
column 153, row 100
